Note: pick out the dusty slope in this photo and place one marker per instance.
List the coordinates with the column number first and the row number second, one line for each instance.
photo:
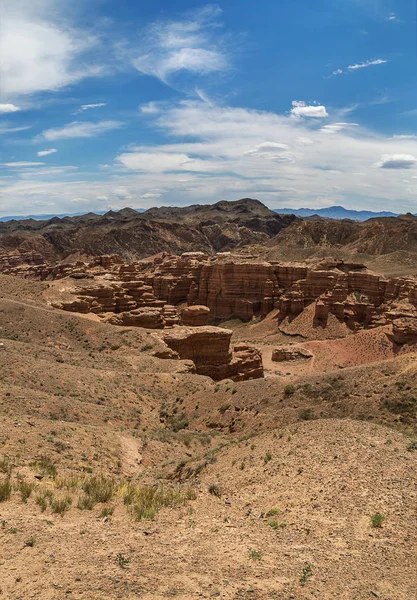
column 91, row 399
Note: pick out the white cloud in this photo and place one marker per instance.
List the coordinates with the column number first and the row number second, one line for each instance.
column 362, row 65
column 79, row 129
column 8, row 108
column 368, row 63
column 397, row 161
column 150, row 108
column 85, row 107
column 8, row 128
column 47, row 152
column 301, row 109
column 188, row 46
column 40, row 48
column 271, row 151
column 392, row 17
column 213, row 152
column 21, row 163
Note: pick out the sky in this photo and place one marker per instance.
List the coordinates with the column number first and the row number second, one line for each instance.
column 113, row 103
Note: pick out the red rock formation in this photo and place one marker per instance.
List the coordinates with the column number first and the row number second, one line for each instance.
column 195, row 316
column 209, row 349
column 284, row 353
column 405, row 330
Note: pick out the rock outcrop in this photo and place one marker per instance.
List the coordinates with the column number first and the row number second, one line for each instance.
column 209, row 349
column 284, row 353
column 195, row 316
column 405, row 331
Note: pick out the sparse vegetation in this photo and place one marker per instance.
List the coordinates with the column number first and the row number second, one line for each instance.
column 255, row 554
column 214, row 490
column 289, row 390
column 307, row 573
column 377, row 520
column 60, row 506
column 5, row 490
column 99, row 489
column 25, row 490
column 145, row 502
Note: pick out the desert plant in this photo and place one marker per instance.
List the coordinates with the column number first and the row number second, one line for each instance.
column 289, row 389
column 307, row 573
column 30, row 542
column 412, row 446
column 122, row 560
column 377, row 519
column 99, row 489
column 273, row 512
column 85, row 503
column 145, row 502
column 267, row 457
column 107, row 512
column 5, row 490
column 25, row 489
column 305, row 414
column 254, row 554
column 42, row 502
column 214, row 489
column 273, row 524
column 5, row 466
column 46, row 466
column 60, row 506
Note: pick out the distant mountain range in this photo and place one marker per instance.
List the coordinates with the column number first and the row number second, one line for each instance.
column 332, row 212
column 335, row 212
column 52, row 216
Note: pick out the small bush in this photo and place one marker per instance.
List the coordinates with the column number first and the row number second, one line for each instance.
column 145, row 502
column 107, row 512
column 307, row 573
column 273, row 524
column 289, row 389
column 214, row 490
column 412, row 446
column 122, row 560
column 273, row 512
column 85, row 503
column 267, row 457
column 42, row 502
column 30, row 542
column 146, row 347
column 5, row 466
column 25, row 490
column 5, row 490
column 99, row 489
column 255, row 554
column 377, row 519
column 60, row 506
column 46, row 466
column 305, row 414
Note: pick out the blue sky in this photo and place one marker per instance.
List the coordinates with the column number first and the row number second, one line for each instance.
column 106, row 104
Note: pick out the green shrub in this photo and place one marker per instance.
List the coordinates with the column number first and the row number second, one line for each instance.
column 289, row 389
column 99, row 488
column 255, row 554
column 60, row 506
column 377, row 519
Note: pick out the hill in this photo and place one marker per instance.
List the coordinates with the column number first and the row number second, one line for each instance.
column 219, row 227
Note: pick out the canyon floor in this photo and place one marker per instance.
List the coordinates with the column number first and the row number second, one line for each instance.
column 123, row 475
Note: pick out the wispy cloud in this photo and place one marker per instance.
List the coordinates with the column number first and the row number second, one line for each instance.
column 8, row 108
column 47, row 152
column 362, row 65
column 366, row 64
column 191, row 45
column 22, row 163
column 85, row 107
column 79, row 129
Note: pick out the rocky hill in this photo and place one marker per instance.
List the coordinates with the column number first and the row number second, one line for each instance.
column 219, row 227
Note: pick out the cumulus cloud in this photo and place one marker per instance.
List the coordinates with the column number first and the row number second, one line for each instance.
column 8, row 108
column 301, row 109
column 80, row 129
column 47, row 152
column 397, row 161
column 40, row 48
column 189, row 46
